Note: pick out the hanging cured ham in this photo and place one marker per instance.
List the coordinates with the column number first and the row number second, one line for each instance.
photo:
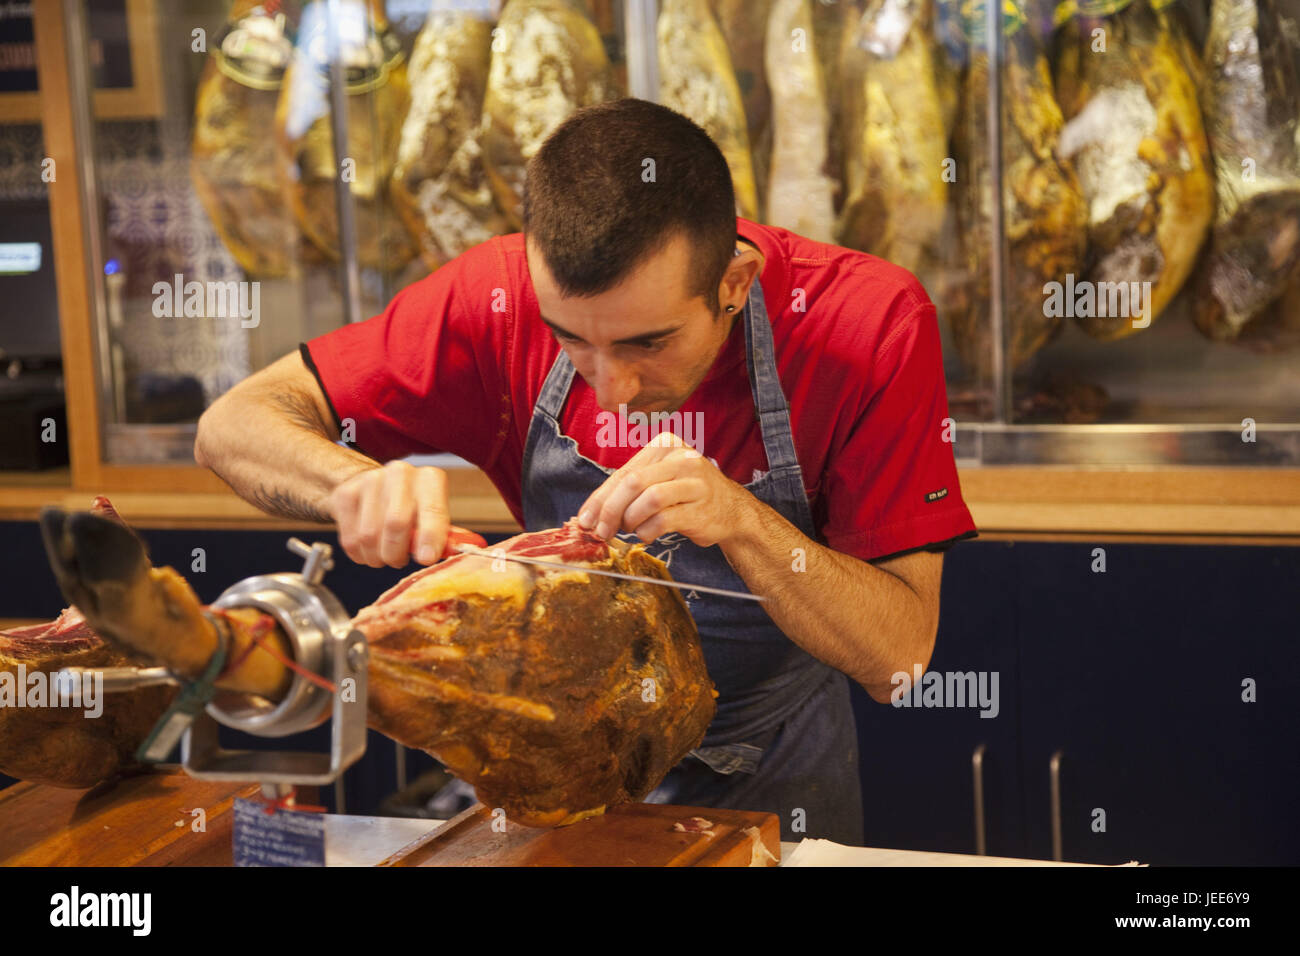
column 697, row 80
column 801, row 194
column 1134, row 135
column 895, row 141
column 547, row 61
column 439, row 183
column 1251, row 101
column 232, row 157
column 744, row 25
column 1044, row 213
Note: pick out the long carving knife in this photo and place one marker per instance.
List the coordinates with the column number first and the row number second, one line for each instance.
column 498, row 554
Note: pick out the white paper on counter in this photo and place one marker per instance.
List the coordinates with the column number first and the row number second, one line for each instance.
column 365, row 841
column 829, row 853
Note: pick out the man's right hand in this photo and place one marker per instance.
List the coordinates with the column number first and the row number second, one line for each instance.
column 389, row 514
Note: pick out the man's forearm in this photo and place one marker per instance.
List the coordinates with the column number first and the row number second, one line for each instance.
column 272, row 448
column 842, row 610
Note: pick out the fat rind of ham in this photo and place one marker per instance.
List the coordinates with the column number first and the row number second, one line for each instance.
column 527, row 682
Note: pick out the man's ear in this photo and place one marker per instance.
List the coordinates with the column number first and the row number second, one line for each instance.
column 739, row 276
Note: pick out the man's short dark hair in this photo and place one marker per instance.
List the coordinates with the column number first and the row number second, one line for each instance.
column 595, row 212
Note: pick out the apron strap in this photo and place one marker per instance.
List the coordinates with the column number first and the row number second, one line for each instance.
column 770, row 406
column 555, row 390
column 769, row 401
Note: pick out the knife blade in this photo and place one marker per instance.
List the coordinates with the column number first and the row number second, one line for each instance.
column 502, row 555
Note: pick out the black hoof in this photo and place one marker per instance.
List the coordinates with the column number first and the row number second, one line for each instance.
column 87, row 552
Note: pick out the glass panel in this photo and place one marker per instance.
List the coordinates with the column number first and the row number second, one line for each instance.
column 33, row 423
column 205, row 278
column 222, row 240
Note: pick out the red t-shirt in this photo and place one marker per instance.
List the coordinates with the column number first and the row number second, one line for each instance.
column 456, row 362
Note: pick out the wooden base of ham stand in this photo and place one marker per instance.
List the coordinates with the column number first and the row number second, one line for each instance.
column 634, row 834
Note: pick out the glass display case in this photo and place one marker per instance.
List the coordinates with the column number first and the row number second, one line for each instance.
column 1132, row 297
column 226, row 230
column 1101, row 197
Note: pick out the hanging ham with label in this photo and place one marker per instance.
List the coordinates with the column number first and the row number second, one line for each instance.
column 232, row 157
column 377, row 98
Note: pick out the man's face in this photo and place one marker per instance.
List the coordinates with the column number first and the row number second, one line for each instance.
column 646, row 343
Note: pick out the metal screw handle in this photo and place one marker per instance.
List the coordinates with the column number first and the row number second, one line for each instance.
column 1054, row 771
column 316, row 559
column 977, row 769
column 118, row 678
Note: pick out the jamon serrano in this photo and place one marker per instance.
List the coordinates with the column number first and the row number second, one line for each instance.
column 555, row 693
column 61, row 745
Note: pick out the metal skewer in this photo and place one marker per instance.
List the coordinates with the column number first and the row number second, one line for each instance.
column 503, row 556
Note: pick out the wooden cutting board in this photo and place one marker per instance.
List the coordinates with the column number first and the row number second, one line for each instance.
column 634, row 834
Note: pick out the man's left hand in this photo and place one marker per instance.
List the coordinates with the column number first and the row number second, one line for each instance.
column 667, row 486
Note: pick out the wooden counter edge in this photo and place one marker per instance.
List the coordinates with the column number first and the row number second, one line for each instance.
column 1171, row 504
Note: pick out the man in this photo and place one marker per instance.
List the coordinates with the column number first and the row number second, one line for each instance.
column 821, row 478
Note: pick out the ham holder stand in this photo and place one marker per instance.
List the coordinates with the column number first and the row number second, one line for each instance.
column 329, row 652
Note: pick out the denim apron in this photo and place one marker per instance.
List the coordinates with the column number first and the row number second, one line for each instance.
column 783, row 739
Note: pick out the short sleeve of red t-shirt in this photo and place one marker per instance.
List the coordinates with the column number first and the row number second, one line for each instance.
column 891, row 486
column 425, row 375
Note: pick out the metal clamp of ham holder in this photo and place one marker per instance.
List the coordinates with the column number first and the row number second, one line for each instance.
column 324, row 643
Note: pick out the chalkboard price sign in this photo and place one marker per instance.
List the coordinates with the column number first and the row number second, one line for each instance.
column 279, row 838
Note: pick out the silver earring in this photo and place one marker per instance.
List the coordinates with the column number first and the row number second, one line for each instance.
column 731, row 308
